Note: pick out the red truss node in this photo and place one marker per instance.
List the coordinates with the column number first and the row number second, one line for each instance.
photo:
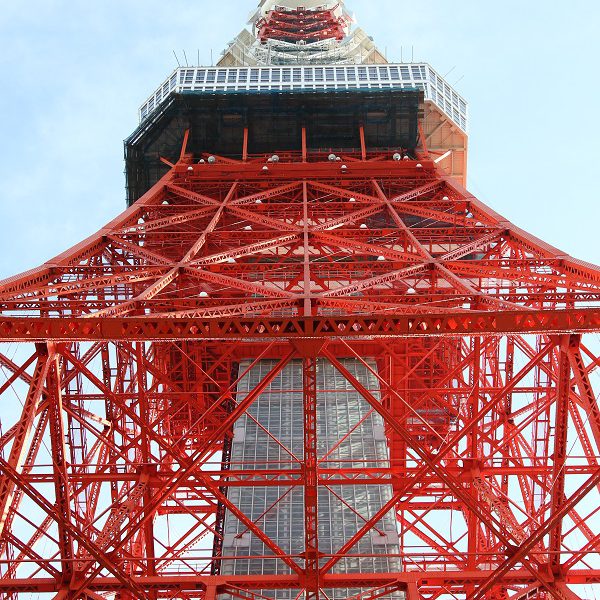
column 120, row 399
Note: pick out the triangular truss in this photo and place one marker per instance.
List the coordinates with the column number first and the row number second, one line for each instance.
column 352, row 241
column 118, row 424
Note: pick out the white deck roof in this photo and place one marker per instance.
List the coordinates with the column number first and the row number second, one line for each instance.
column 320, row 77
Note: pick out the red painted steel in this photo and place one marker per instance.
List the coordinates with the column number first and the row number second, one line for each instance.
column 128, row 358
column 300, row 25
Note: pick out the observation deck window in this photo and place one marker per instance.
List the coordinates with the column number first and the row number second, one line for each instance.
column 404, row 76
column 416, row 73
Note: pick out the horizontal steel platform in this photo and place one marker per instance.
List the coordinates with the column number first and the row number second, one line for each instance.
column 262, row 328
column 191, row 583
column 313, row 77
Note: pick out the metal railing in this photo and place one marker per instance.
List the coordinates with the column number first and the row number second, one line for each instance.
column 325, row 77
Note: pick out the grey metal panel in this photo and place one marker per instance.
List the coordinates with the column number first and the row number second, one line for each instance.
column 342, row 509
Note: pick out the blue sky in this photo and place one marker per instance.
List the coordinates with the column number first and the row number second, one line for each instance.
column 74, row 73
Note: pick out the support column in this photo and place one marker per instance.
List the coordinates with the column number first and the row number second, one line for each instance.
column 309, row 384
column 245, row 146
column 146, row 499
column 306, row 247
column 210, row 593
column 311, row 528
column 412, row 591
column 560, row 448
column 507, row 409
column 363, row 145
column 18, row 451
column 304, row 148
column 473, row 453
column 423, row 140
column 59, row 461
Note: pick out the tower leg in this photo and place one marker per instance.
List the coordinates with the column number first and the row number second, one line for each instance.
column 210, row 593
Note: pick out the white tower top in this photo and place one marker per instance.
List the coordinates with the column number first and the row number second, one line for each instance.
column 301, row 32
column 313, row 45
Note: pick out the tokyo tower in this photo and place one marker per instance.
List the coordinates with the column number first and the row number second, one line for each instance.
column 305, row 362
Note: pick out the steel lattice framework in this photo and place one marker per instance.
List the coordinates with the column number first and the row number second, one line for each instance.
column 125, row 350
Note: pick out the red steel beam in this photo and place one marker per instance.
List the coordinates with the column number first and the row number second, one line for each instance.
column 537, row 536
column 23, row 430
column 560, row 452
column 11, row 474
column 311, row 526
column 174, row 581
column 19, row 329
column 62, row 488
column 337, row 249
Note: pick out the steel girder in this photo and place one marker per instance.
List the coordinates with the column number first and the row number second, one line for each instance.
column 125, row 350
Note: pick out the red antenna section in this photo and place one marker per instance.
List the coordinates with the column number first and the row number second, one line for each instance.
column 301, row 25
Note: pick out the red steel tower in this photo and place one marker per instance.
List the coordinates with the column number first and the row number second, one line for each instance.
column 296, row 210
